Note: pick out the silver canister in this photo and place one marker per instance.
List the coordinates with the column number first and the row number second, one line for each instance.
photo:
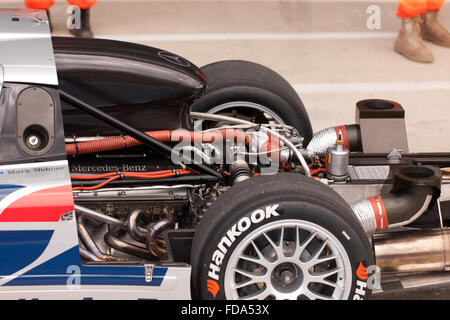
column 338, row 157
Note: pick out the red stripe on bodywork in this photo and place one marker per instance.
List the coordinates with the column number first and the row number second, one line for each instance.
column 46, row 205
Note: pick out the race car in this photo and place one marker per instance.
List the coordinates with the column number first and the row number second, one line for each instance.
column 126, row 172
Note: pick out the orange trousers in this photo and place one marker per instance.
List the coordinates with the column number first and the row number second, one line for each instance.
column 413, row 8
column 46, row 4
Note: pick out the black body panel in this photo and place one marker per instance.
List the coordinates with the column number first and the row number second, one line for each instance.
column 148, row 88
column 11, row 152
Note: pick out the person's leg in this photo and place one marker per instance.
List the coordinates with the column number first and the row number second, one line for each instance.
column 85, row 5
column 411, row 8
column 82, row 4
column 432, row 30
column 39, row 4
column 433, row 5
column 409, row 42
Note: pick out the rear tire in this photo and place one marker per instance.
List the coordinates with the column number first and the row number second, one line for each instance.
column 264, row 206
column 252, row 91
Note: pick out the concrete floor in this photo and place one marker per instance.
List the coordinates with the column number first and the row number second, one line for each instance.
column 322, row 47
column 430, row 286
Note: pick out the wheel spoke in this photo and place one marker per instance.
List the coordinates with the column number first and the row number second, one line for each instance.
column 328, row 283
column 327, row 258
column 320, row 276
column 262, row 258
column 315, row 296
column 281, row 238
column 259, row 295
column 301, row 247
column 255, row 277
column 277, row 248
column 250, row 259
column 243, row 284
column 315, row 258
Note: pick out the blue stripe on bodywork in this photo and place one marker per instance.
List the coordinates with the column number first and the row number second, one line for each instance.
column 6, row 189
column 55, row 272
column 20, row 248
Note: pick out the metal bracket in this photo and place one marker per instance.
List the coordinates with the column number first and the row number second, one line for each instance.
column 395, row 154
column 149, row 272
column 438, row 202
column 1, row 78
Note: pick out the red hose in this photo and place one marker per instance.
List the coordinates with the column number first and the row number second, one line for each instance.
column 117, row 143
column 316, row 171
column 116, row 175
column 113, row 143
column 98, row 185
column 93, row 177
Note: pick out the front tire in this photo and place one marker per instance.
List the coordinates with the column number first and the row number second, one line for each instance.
column 252, row 92
column 237, row 251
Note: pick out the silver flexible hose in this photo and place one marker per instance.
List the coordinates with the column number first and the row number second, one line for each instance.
column 322, row 140
column 365, row 214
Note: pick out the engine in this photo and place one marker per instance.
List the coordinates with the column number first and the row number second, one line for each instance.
column 134, row 202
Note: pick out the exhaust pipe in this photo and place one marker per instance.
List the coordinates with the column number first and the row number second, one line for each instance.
column 89, row 243
column 98, row 216
column 326, row 138
column 155, row 229
column 88, row 255
column 137, row 233
column 112, row 238
column 413, row 250
column 413, row 190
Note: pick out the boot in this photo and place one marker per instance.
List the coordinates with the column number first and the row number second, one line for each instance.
column 49, row 21
column 433, row 31
column 85, row 25
column 410, row 44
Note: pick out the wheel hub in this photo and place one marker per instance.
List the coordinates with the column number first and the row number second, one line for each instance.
column 287, row 277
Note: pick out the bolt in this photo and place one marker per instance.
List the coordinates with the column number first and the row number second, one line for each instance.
column 287, row 279
column 33, row 141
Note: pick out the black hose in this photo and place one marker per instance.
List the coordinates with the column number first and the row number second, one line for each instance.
column 414, row 188
column 407, row 204
column 354, row 137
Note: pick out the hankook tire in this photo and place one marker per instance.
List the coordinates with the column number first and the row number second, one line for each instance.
column 237, row 252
